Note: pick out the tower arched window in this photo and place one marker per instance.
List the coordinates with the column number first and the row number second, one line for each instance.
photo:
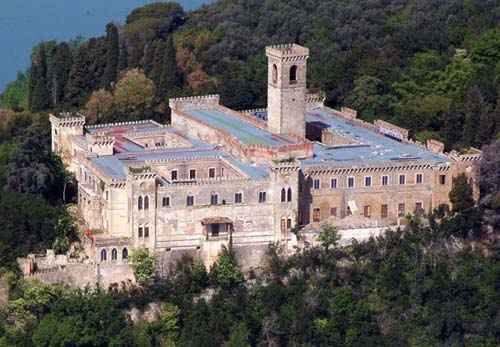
column 146, row 202
column 140, row 232
column 166, row 201
column 283, row 195
column 114, row 254
column 293, row 74
column 289, row 194
column 125, row 253
column 139, row 203
column 275, row 73
column 104, row 255
column 146, row 231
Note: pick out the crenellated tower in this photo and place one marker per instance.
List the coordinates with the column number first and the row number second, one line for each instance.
column 286, row 90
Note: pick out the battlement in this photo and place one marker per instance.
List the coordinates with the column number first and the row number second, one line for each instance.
column 66, row 119
column 97, row 126
column 287, row 52
column 203, row 102
column 314, row 100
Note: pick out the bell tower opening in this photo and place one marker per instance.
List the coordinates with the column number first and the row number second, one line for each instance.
column 286, row 91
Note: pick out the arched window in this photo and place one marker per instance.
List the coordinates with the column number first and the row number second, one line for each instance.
column 283, row 195
column 139, row 203
column 289, row 194
column 293, row 74
column 125, row 253
column 146, row 202
column 214, row 199
column 283, row 224
column 114, row 254
column 140, row 231
column 190, row 200
column 103, row 255
column 275, row 73
column 146, row 231
column 166, row 201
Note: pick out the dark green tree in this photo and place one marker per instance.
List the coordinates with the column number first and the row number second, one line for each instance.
column 80, row 78
column 452, row 128
column 123, row 58
column 157, row 68
column 112, row 56
column 147, row 61
column 171, row 76
column 58, row 72
column 38, row 94
column 475, row 108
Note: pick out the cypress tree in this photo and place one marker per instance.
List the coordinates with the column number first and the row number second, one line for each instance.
column 474, row 107
column 157, row 68
column 39, row 96
column 123, row 59
column 486, row 127
column 97, row 60
column 58, row 72
column 80, row 78
column 496, row 118
column 452, row 126
column 171, row 76
column 112, row 53
column 149, row 54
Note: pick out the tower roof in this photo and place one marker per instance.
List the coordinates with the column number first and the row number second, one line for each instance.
column 289, row 51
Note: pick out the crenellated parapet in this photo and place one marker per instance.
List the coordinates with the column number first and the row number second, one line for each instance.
column 108, row 125
column 314, row 101
column 287, row 52
column 66, row 120
column 204, row 102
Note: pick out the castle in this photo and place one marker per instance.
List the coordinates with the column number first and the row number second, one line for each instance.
column 217, row 177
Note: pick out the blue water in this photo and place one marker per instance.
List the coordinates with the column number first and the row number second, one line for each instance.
column 24, row 23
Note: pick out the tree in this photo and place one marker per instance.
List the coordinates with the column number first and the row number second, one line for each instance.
column 15, row 95
column 328, row 236
column 80, row 78
column 38, row 94
column 33, row 169
column 99, row 106
column 112, row 55
column 452, row 127
column 239, row 336
column 169, row 323
column 489, row 183
column 134, row 94
column 475, row 107
column 225, row 273
column 461, row 195
column 157, row 68
column 149, row 55
column 144, row 265
column 170, row 75
column 58, row 72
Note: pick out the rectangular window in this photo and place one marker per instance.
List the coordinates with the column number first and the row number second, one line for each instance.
column 316, row 184
column 166, row 201
column 289, row 223
column 262, row 197
column 316, row 215
column 190, row 200
column 333, row 211
column 419, row 208
column 401, row 210
column 402, row 179
column 214, row 199
column 211, row 173
column 384, row 211
column 442, row 179
column 350, row 182
column 368, row 181
column 367, row 211
column 140, row 232
column 192, row 174
column 238, row 198
column 333, row 183
column 419, row 178
column 385, row 180
column 173, row 175
column 283, row 224
column 215, row 229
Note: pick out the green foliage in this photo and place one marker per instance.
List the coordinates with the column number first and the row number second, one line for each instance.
column 239, row 336
column 328, row 236
column 58, row 72
column 15, row 94
column 225, row 274
column 134, row 95
column 169, row 323
column 144, row 265
column 112, row 56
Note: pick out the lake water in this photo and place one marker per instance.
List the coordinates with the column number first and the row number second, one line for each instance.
column 24, row 23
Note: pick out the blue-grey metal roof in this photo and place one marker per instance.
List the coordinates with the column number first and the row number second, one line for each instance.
column 373, row 147
column 247, row 132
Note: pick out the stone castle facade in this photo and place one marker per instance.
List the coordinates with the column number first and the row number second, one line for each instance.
column 217, row 177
